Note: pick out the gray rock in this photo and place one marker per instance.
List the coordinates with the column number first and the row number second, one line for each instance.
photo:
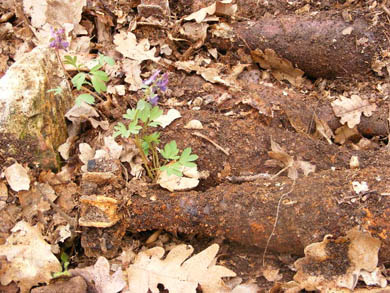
column 32, row 121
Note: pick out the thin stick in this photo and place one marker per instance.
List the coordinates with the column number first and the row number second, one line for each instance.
column 385, row 9
column 247, row 178
column 212, row 142
column 276, row 220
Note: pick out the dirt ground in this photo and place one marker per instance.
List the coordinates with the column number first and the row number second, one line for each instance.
column 241, row 120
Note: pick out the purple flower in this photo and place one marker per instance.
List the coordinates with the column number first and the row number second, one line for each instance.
column 162, row 82
column 154, row 100
column 57, row 40
column 151, row 79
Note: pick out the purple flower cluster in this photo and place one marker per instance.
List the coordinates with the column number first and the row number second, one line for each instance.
column 57, row 40
column 153, row 84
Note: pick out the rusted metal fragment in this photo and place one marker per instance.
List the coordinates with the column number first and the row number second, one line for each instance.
column 246, row 213
column 323, row 45
column 103, row 242
column 98, row 211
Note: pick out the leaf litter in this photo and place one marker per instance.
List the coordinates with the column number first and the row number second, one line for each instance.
column 141, row 50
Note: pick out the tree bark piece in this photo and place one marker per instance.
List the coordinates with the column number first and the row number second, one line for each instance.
column 246, row 213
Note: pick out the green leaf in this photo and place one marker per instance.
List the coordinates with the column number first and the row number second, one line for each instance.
column 71, row 60
column 121, row 130
column 170, row 151
column 154, row 137
column 155, row 113
column 78, row 80
column 64, row 260
column 130, row 114
column 142, row 104
column 144, row 114
column 106, row 59
column 145, row 147
column 56, row 91
column 98, row 84
column 188, row 164
column 134, row 128
column 95, row 68
column 154, row 124
column 87, row 98
column 172, row 169
column 186, row 156
column 100, row 74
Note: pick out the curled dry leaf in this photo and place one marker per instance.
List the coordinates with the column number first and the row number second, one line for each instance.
column 177, row 273
column 292, row 166
column 17, row 177
column 350, row 109
column 281, row 69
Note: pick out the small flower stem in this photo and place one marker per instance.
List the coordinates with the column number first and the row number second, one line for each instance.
column 144, row 158
column 66, row 73
column 156, row 162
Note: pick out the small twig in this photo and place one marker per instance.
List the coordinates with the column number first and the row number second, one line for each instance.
column 276, row 220
column 248, row 178
column 385, row 9
column 72, row 222
column 212, row 142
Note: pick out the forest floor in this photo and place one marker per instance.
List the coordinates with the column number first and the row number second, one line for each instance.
column 283, row 146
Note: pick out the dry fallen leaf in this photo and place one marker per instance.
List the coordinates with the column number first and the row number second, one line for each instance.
column 99, row 278
column 220, row 7
column 281, row 69
column 56, row 13
column 168, row 118
column 272, row 274
column 28, row 258
column 177, row 273
column 292, row 166
column 17, row 177
column 127, row 45
column 344, row 133
column 132, row 69
column 189, row 180
column 333, row 264
column 323, row 129
column 350, row 109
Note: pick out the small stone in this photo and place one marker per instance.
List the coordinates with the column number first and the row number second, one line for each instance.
column 354, row 162
column 194, row 124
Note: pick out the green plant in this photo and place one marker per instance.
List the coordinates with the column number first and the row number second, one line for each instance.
column 64, row 263
column 94, row 77
column 145, row 116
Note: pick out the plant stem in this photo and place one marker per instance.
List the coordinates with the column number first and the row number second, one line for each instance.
column 144, row 158
column 66, row 73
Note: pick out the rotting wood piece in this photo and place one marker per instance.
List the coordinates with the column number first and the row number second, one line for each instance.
column 320, row 204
